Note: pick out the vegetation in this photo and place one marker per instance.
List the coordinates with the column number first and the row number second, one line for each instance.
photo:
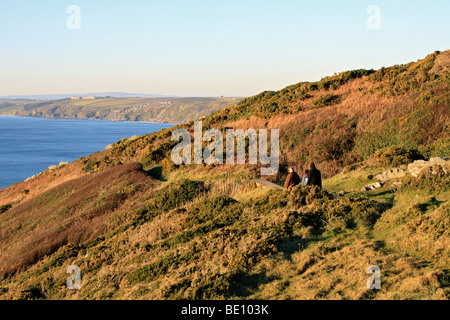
column 5, row 208
column 140, row 227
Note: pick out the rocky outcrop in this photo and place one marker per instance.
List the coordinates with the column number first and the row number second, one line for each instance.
column 372, row 186
column 61, row 164
column 417, row 166
column 391, row 174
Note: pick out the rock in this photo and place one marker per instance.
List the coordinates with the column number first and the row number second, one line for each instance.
column 376, row 185
column 372, row 186
column 30, row 178
column 53, row 167
column 417, row 166
column 109, row 146
column 391, row 174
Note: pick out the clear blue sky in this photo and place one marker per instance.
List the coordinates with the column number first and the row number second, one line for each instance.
column 206, row 48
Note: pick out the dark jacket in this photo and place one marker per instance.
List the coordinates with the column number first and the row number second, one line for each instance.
column 292, row 180
column 314, row 177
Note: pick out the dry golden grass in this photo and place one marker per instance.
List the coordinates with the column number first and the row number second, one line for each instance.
column 41, row 183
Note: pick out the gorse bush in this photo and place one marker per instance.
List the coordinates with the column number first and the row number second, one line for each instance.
column 401, row 79
column 337, row 80
column 91, row 166
column 176, row 194
column 393, row 156
column 286, row 101
column 160, row 267
column 319, row 209
column 440, row 148
column 306, row 195
column 5, row 208
column 221, row 208
column 325, row 100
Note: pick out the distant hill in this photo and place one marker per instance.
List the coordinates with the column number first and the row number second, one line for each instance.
column 173, row 110
column 141, row 227
column 96, row 94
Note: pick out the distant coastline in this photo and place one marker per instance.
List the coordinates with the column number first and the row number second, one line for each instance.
column 104, row 120
column 151, row 110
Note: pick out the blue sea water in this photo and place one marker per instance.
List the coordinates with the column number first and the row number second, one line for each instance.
column 30, row 145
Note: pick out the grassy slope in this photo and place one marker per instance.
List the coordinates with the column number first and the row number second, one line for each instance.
column 125, row 109
column 209, row 232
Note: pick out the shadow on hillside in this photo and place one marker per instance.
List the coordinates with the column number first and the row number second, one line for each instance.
column 381, row 193
column 156, row 173
column 433, row 202
column 245, row 285
column 387, row 195
column 380, row 245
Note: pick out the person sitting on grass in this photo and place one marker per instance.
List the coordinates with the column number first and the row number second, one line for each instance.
column 305, row 178
column 292, row 179
column 314, row 177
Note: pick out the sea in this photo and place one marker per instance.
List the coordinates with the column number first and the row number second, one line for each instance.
column 29, row 146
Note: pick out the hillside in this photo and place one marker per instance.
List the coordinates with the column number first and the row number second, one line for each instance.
column 140, row 227
column 171, row 110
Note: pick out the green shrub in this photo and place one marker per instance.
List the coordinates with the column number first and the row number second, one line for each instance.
column 177, row 194
column 441, row 148
column 32, row 293
column 5, row 208
column 158, row 268
column 90, row 166
column 152, row 271
column 211, row 287
column 335, row 81
column 269, row 202
column 319, row 209
column 221, row 208
column 393, row 156
column 152, row 157
column 306, row 195
column 325, row 100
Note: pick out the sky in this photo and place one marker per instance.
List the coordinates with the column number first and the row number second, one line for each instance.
column 206, row 47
